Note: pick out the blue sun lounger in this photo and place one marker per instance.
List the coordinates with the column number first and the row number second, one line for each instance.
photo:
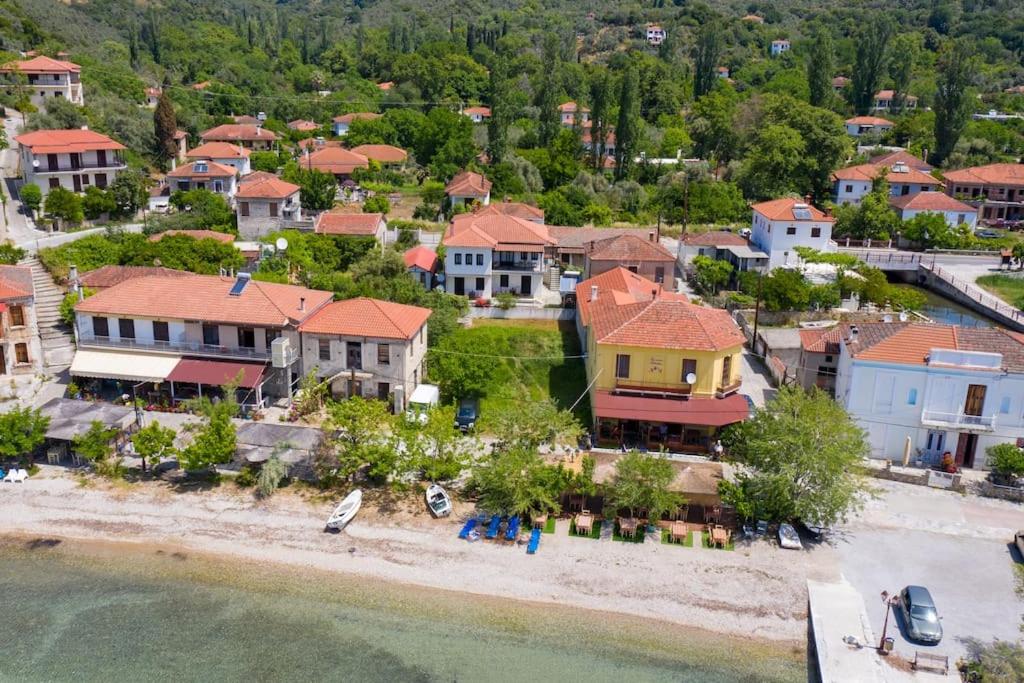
column 534, row 542
column 466, row 528
column 492, row 528
column 513, row 528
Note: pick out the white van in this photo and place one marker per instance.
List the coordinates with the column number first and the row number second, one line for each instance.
column 423, row 398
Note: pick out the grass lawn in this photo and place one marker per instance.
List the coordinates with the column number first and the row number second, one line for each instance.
column 539, row 369
column 595, row 533
column 638, row 537
column 705, row 540
column 549, row 526
column 1009, row 288
column 687, row 540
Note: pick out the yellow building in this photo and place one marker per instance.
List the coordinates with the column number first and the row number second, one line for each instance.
column 662, row 371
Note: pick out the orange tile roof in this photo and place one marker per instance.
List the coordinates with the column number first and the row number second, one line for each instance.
column 356, row 116
column 108, row 276
column 385, row 154
column 354, row 224
column 869, row 121
column 903, row 156
column 222, row 237
column 496, row 231
column 154, row 92
column 628, row 248
column 517, row 209
column 571, row 107
column 822, row 340
column 575, row 240
column 303, row 125
column 990, row 174
column 468, row 184
column 206, row 298
column 840, row 81
column 386, row 85
column 714, row 238
column 218, row 150
column 238, row 131
column 15, row 282
column 213, row 170
column 364, row 317
column 911, row 343
column 890, row 94
column 66, row 141
column 482, row 111
column 782, row 210
column 930, row 201
column 421, row 257
column 41, row 65
column 317, row 143
column 334, row 160
column 896, row 173
column 265, row 186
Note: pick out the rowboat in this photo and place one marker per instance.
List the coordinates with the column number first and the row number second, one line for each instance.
column 438, row 501
column 346, row 510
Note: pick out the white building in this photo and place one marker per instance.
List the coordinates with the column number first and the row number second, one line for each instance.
column 851, row 184
column 205, row 175
column 153, row 97
column 366, row 347
column 492, row 253
column 655, row 35
column 223, row 153
column 568, row 112
column 780, row 46
column 340, row 124
column 468, row 188
column 885, row 100
column 477, row 114
column 868, row 125
column 72, row 159
column 45, row 79
column 781, row 225
column 954, row 211
column 947, row 389
column 264, row 204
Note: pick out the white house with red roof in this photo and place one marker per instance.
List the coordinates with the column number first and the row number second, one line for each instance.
column 490, row 253
column 421, row 262
column 352, row 225
column 868, row 125
column 781, row 225
column 885, row 100
column 340, row 124
column 952, row 210
column 655, row 34
column 468, row 187
column 337, row 161
column 205, row 175
column 21, row 352
column 45, row 78
column 851, row 184
column 264, row 204
column 249, row 135
column 223, row 153
column 780, row 46
column 477, row 114
column 943, row 388
column 570, row 112
column 367, row 347
column 996, row 190
column 72, row 159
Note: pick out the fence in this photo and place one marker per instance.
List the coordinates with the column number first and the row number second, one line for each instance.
column 424, row 237
column 1014, row 493
column 970, row 291
column 523, row 313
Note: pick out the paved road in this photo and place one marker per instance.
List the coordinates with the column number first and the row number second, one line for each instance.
column 956, row 546
column 16, row 226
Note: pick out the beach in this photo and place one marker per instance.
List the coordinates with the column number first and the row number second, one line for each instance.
column 756, row 593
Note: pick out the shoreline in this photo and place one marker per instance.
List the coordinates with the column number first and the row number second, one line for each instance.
column 693, row 589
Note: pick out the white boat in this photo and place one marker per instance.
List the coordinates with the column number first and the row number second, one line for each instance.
column 438, row 501
column 346, row 510
column 789, row 538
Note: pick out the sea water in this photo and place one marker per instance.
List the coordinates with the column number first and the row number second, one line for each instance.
column 93, row 612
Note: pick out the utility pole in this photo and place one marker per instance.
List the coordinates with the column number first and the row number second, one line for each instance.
column 757, row 312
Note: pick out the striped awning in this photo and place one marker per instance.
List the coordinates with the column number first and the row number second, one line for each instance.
column 122, row 365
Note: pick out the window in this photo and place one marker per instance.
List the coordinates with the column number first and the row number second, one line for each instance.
column 17, row 316
column 659, row 274
column 689, row 368
column 247, row 337
column 479, row 259
column 458, row 259
column 54, row 182
column 961, row 218
column 828, row 359
column 100, row 327
column 218, row 186
column 85, row 178
column 270, row 336
column 815, row 232
column 1004, row 405
column 126, row 328
column 273, row 209
column 633, row 269
column 324, row 349
column 503, row 281
column 622, row 365
column 912, row 397
column 161, row 331
column 383, row 354
column 726, row 371
column 211, row 335
column 480, row 284
column 791, row 230
column 243, row 208
column 101, row 180
column 21, row 353
column 849, row 188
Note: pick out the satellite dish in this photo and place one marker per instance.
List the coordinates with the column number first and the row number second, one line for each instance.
column 691, row 378
column 35, row 163
column 887, row 319
column 281, row 244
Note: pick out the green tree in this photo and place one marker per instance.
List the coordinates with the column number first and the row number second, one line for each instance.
column 267, row 161
column 216, row 439
column 516, row 481
column 713, row 125
column 153, row 443
column 643, row 482
column 872, row 219
column 600, row 116
column 789, row 467
column 206, row 209
column 457, row 371
column 550, row 89
column 872, row 42
column 165, row 127
column 904, row 55
column 10, row 254
column 317, row 188
column 502, row 111
column 785, row 290
column 129, row 192
column 706, row 53
column 439, row 452
column 377, row 204
column 22, row 431
column 629, row 128
column 533, row 424
column 65, row 205
column 97, row 202
column 273, row 472
column 1006, row 460
column 31, row 197
column 1001, row 661
column 96, row 446
column 773, row 163
column 956, row 66
column 820, row 66
column 931, row 230
column 360, row 436
column 711, row 274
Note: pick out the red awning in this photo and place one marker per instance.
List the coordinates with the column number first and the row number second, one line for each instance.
column 3, row 307
column 216, row 372
column 709, row 412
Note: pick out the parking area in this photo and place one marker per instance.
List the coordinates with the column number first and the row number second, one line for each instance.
column 956, row 546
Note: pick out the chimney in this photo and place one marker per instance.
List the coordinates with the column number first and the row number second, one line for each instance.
column 593, row 292
column 853, row 333
column 807, row 199
column 651, row 236
column 302, row 303
column 73, row 273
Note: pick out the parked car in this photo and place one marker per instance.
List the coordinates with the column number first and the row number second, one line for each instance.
column 987, row 234
column 423, row 398
column 920, row 617
column 467, row 414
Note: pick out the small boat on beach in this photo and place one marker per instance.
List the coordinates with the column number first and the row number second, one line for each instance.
column 346, row 510
column 438, row 501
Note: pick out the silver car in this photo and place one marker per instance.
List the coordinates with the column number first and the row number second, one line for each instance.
column 919, row 615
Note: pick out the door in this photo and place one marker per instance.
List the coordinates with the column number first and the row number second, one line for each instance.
column 526, row 283
column 965, row 447
column 3, row 362
column 383, row 391
column 354, row 355
column 101, row 158
column 975, row 402
column 936, row 443
column 77, row 181
column 460, row 286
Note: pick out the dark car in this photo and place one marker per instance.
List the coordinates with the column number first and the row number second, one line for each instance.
column 467, row 414
column 919, row 615
column 987, row 234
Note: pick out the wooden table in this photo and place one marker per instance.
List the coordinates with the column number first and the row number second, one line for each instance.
column 677, row 532
column 719, row 536
column 584, row 524
column 540, row 521
column 627, row 526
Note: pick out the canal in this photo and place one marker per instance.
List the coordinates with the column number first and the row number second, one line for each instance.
column 948, row 312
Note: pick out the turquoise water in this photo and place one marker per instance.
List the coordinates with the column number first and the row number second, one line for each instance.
column 111, row 613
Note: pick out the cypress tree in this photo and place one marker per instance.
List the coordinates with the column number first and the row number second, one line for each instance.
column 599, row 105
column 165, row 125
column 627, row 132
column 705, row 58
column 501, row 112
column 550, row 123
column 819, row 68
column 872, row 42
column 952, row 104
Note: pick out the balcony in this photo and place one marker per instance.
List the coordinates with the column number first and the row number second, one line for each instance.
column 110, row 165
column 518, row 266
column 661, row 389
column 724, row 391
column 935, row 418
column 189, row 348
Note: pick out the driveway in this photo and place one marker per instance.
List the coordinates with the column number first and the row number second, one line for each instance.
column 16, row 226
column 757, row 383
column 956, row 546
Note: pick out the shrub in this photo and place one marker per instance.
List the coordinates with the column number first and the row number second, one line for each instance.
column 10, row 254
column 506, row 300
column 377, row 204
column 271, row 475
column 31, row 197
column 1006, row 460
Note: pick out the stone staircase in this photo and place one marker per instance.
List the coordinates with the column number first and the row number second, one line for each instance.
column 554, row 278
column 57, row 339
